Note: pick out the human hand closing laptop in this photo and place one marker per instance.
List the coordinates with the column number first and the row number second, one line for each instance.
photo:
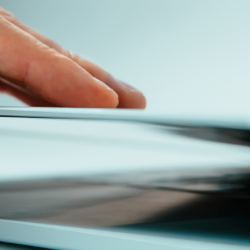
column 39, row 72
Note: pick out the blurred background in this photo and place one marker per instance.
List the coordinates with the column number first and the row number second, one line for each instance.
column 189, row 57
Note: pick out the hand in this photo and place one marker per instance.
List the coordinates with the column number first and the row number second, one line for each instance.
column 41, row 73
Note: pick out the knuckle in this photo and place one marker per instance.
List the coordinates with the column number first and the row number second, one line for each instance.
column 73, row 56
column 50, row 43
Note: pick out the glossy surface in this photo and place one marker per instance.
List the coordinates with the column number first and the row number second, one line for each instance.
column 120, row 177
column 181, row 121
column 154, row 203
column 41, row 148
column 6, row 246
column 59, row 237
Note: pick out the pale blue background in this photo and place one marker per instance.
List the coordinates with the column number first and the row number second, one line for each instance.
column 187, row 56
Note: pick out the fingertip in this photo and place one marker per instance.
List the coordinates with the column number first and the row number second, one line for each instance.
column 141, row 101
column 108, row 97
column 130, row 97
column 134, row 100
column 113, row 101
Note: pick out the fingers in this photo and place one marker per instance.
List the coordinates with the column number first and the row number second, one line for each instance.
column 129, row 97
column 23, row 95
column 49, row 74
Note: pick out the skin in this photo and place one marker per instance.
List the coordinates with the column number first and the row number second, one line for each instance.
column 39, row 72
